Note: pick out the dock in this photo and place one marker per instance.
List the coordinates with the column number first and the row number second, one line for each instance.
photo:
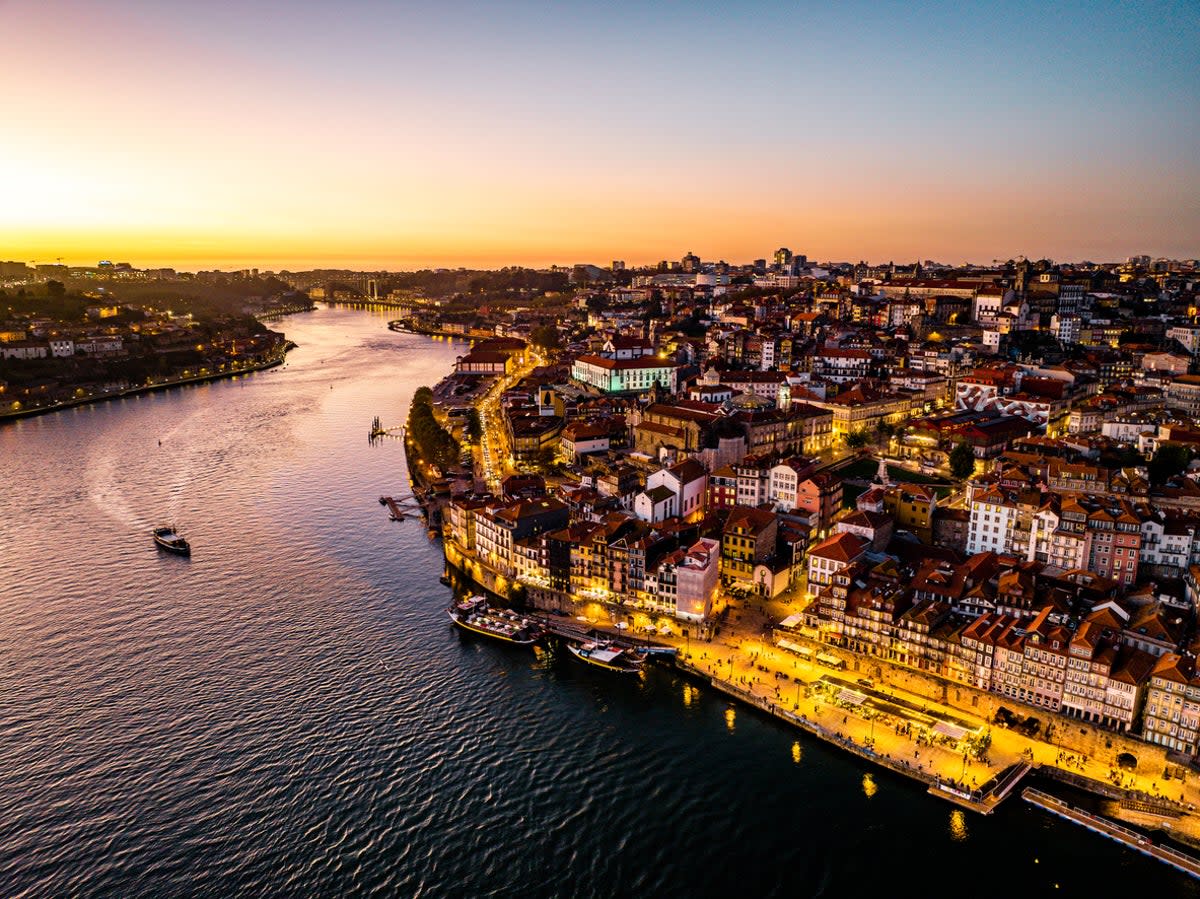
column 402, row 508
column 378, row 430
column 985, row 799
column 580, row 632
column 1130, row 838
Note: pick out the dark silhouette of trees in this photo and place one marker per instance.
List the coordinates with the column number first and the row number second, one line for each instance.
column 962, row 461
column 1169, row 460
column 545, row 336
column 435, row 444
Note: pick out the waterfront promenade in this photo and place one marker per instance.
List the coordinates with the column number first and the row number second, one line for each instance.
column 741, row 662
column 154, row 386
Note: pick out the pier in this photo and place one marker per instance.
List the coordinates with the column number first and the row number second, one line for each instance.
column 402, row 508
column 581, row 632
column 1130, row 838
column 378, row 430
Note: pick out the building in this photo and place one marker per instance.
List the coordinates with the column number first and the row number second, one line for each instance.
column 749, row 538
column 581, row 438
column 697, row 576
column 862, row 408
column 913, row 507
column 633, row 375
column 1172, row 710
column 820, row 497
column 1183, row 394
column 482, row 362
column 831, row 555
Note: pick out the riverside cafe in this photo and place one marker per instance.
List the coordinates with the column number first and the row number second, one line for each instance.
column 786, row 634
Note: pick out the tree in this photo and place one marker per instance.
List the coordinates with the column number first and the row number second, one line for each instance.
column 545, row 336
column 56, row 289
column 474, row 426
column 1169, row 460
column 858, row 439
column 962, row 461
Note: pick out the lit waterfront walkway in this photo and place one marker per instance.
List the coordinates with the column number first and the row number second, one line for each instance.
column 741, row 652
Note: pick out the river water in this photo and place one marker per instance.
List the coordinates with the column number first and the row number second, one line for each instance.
column 289, row 712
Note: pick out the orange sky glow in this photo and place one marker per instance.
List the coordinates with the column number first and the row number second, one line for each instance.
column 288, row 137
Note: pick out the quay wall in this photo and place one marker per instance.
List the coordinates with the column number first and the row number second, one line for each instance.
column 147, row 388
column 1070, row 734
column 802, row 722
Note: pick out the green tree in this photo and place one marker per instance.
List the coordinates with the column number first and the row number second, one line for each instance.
column 56, row 289
column 858, row 439
column 1169, row 460
column 962, row 461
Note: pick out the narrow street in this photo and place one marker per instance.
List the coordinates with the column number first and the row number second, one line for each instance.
column 492, row 461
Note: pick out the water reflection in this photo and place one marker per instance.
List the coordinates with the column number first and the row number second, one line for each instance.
column 869, row 787
column 958, row 826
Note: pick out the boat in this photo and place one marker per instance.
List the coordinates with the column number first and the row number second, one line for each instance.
column 476, row 616
column 167, row 539
column 604, row 655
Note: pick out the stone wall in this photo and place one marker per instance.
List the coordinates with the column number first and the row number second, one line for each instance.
column 1077, row 736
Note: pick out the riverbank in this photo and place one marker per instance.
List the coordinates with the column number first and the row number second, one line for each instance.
column 166, row 384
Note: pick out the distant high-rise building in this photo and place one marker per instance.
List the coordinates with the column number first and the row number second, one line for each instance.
column 690, row 263
column 783, row 257
column 15, row 270
column 760, row 266
column 618, row 265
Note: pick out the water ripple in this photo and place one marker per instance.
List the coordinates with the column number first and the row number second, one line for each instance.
column 289, row 713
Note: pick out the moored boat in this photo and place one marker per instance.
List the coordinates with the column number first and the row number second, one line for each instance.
column 476, row 616
column 167, row 539
column 604, row 655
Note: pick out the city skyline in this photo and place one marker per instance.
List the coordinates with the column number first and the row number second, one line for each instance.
column 382, row 136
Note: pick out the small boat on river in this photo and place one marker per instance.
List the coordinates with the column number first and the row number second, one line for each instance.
column 604, row 655
column 476, row 616
column 167, row 539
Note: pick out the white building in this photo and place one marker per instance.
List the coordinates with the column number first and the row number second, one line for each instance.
column 784, row 482
column 671, row 492
column 1187, row 335
column 635, row 375
column 697, row 575
column 992, row 520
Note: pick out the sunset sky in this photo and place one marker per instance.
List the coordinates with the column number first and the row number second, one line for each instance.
column 396, row 135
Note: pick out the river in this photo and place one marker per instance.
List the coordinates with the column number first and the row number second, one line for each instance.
column 289, row 712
